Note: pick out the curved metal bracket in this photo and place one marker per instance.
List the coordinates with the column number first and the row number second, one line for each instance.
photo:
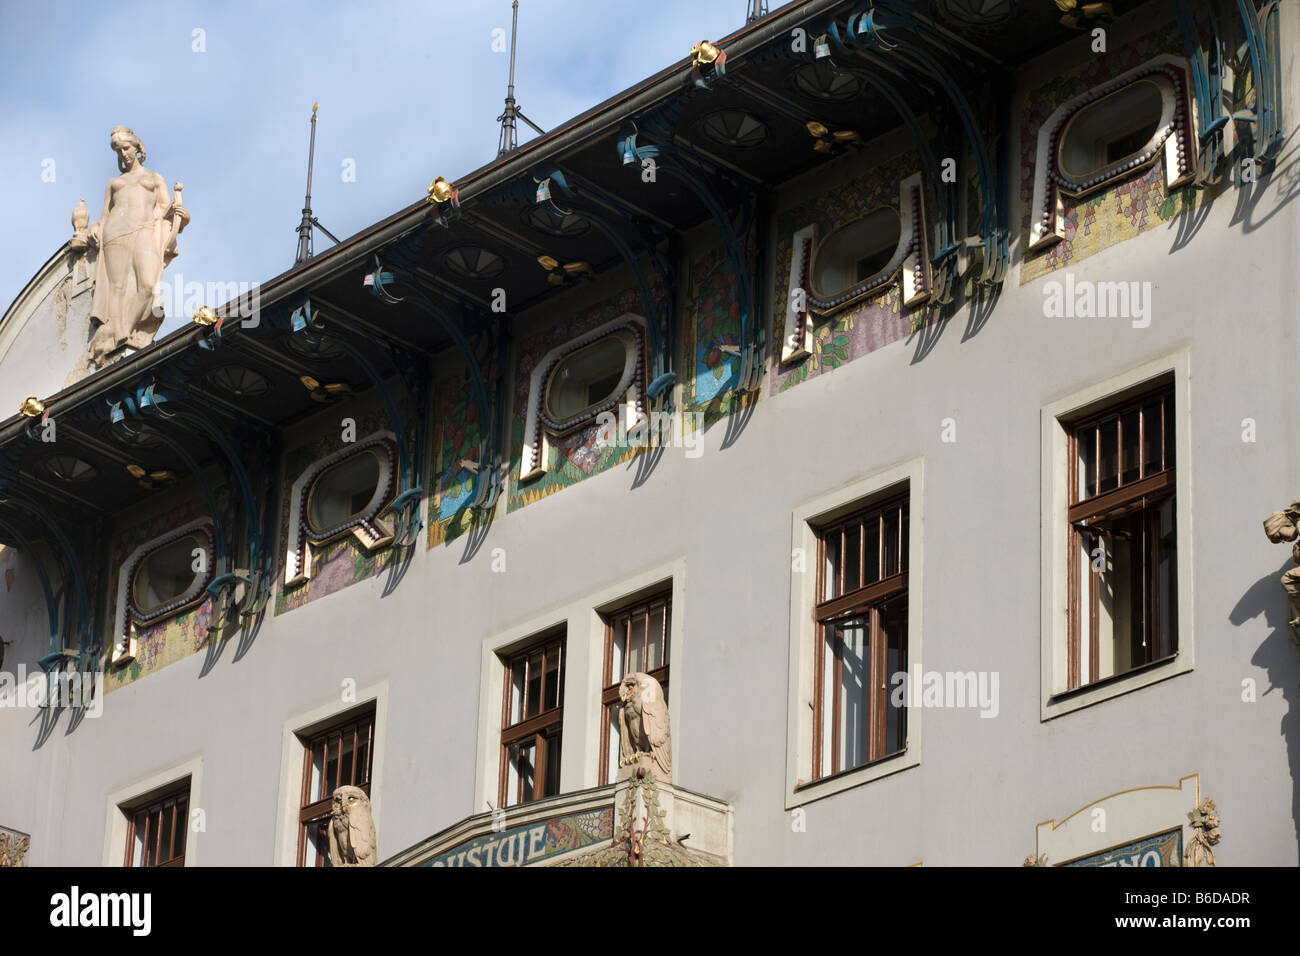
column 750, row 371
column 660, row 338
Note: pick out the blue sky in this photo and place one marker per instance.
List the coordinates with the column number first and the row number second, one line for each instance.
column 408, row 91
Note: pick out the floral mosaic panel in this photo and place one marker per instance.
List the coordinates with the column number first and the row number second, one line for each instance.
column 578, row 455
column 867, row 325
column 1128, row 207
column 457, row 439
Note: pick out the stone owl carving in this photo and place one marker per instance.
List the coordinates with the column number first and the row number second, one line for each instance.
column 352, row 829
column 644, row 736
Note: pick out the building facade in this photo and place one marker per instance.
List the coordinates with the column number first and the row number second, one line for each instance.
column 901, row 387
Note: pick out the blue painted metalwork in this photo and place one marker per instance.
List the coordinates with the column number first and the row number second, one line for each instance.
column 660, row 335
column 749, row 372
column 1207, row 86
column 85, row 621
column 51, row 605
column 873, row 24
column 259, row 559
column 146, row 397
column 1265, row 61
column 487, row 480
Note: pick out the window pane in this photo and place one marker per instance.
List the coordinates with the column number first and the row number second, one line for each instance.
column 137, row 853
column 906, row 535
column 832, row 569
column 853, row 685
column 1169, row 431
column 1166, row 581
column 893, row 621
column 619, row 653
column 1109, row 463
column 533, row 702
column 871, row 551
column 363, row 753
column 1086, row 442
column 518, row 675
column 165, row 831
column 852, row 557
column 349, row 741
column 828, row 712
column 331, row 764
column 655, row 639
column 318, row 843
column 615, row 744
column 182, row 828
column 636, row 644
column 889, row 531
column 552, row 697
column 1152, row 440
column 519, row 785
column 317, row 789
column 552, row 782
column 1130, row 428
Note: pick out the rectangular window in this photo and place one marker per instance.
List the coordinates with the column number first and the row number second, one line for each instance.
column 337, row 756
column 532, row 714
column 636, row 641
column 861, row 625
column 156, row 827
column 1122, row 596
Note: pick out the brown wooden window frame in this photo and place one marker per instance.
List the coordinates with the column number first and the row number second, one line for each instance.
column 867, row 600
column 544, row 729
column 609, row 701
column 1144, row 490
column 148, row 812
column 314, row 810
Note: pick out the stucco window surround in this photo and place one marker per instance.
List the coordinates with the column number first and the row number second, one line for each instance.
column 343, row 493
column 905, row 477
column 583, row 621
column 610, row 360
column 159, row 580
column 116, row 822
column 1107, row 112
column 1055, row 542
column 299, row 728
column 823, row 267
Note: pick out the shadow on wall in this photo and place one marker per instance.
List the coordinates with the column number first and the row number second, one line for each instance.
column 1281, row 659
column 1284, row 173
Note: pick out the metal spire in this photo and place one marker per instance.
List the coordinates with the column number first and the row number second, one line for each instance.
column 305, row 250
column 757, row 10
column 512, row 110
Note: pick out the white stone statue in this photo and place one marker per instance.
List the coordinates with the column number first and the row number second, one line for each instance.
column 645, row 739
column 352, row 829
column 136, row 239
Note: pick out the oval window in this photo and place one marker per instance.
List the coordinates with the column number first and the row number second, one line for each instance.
column 591, row 376
column 855, row 253
column 1111, row 131
column 165, row 574
column 342, row 492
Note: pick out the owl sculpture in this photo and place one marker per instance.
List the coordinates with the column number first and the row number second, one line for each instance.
column 352, row 829
column 644, row 736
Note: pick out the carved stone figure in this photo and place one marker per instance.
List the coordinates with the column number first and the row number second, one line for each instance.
column 352, row 829
column 1205, row 834
column 644, row 735
column 136, row 239
column 1283, row 526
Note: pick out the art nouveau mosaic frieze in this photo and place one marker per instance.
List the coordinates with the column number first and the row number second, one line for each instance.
column 863, row 312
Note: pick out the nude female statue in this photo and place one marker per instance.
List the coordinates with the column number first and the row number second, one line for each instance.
column 136, row 238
